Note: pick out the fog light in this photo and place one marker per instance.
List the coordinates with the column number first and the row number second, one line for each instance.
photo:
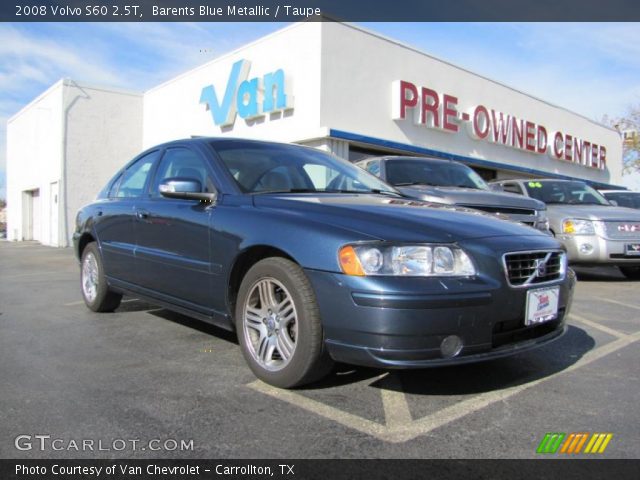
column 586, row 248
column 451, row 346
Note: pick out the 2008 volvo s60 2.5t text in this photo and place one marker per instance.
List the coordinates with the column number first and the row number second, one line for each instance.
column 313, row 260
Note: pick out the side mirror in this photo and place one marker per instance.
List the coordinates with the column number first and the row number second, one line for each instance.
column 185, row 189
column 614, row 203
column 496, row 187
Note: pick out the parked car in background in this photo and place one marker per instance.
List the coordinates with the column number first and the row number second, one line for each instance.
column 622, row 198
column 593, row 231
column 310, row 260
column 453, row 183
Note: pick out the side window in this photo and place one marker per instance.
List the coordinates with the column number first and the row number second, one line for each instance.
column 113, row 191
column 512, row 188
column 373, row 167
column 184, row 163
column 135, row 177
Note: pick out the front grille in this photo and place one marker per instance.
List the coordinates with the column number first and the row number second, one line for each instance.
column 505, row 334
column 623, row 230
column 503, row 210
column 522, row 215
column 533, row 268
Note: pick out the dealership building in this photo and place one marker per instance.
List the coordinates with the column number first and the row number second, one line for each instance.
column 328, row 85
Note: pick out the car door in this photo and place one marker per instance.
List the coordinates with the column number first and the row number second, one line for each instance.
column 172, row 235
column 114, row 226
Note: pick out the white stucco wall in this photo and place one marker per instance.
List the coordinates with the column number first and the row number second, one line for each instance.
column 33, row 162
column 103, row 132
column 72, row 138
column 173, row 110
column 358, row 71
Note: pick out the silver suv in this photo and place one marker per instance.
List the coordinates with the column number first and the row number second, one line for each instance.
column 594, row 231
column 445, row 181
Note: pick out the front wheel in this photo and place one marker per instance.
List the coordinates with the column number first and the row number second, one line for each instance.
column 95, row 290
column 278, row 325
column 632, row 273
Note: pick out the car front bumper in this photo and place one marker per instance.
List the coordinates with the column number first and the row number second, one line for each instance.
column 404, row 327
column 596, row 250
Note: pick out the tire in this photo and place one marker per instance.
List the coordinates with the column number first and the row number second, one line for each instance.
column 93, row 284
column 278, row 324
column 632, row 273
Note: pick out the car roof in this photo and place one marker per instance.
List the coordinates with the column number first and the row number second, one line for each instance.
column 618, row 191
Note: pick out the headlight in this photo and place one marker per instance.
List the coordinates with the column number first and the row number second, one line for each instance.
column 542, row 220
column 405, row 260
column 576, row 226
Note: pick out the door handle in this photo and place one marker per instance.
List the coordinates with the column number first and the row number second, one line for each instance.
column 142, row 214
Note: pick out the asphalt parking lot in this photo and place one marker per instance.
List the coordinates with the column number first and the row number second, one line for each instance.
column 145, row 373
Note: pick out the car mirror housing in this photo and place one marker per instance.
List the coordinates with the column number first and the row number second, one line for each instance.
column 185, row 189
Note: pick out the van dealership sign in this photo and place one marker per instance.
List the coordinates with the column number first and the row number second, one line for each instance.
column 249, row 98
column 434, row 110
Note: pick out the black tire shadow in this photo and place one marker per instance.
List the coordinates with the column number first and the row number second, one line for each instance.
column 135, row 305
column 496, row 374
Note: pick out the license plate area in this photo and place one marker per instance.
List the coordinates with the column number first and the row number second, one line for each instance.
column 542, row 305
column 632, row 249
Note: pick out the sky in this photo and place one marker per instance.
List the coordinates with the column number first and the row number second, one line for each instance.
column 590, row 68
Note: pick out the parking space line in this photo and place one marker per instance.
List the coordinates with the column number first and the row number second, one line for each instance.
column 347, row 419
column 394, row 402
column 401, row 428
column 616, row 302
column 598, row 326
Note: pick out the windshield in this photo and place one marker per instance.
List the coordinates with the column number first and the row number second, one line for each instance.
column 274, row 168
column 437, row 173
column 572, row 193
column 625, row 199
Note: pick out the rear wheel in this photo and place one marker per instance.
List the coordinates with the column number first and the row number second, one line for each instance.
column 95, row 290
column 278, row 325
column 632, row 273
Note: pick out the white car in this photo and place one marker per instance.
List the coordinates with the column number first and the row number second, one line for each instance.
column 594, row 231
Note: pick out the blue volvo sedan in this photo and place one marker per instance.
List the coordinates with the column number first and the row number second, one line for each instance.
column 312, row 260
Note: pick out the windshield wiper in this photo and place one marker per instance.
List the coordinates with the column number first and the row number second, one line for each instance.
column 408, row 184
column 313, row 190
column 377, row 191
column 385, row 192
column 290, row 190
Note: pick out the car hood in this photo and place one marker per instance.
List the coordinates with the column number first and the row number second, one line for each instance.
column 468, row 196
column 393, row 218
column 593, row 212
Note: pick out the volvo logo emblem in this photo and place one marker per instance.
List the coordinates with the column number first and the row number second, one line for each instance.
column 540, row 267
